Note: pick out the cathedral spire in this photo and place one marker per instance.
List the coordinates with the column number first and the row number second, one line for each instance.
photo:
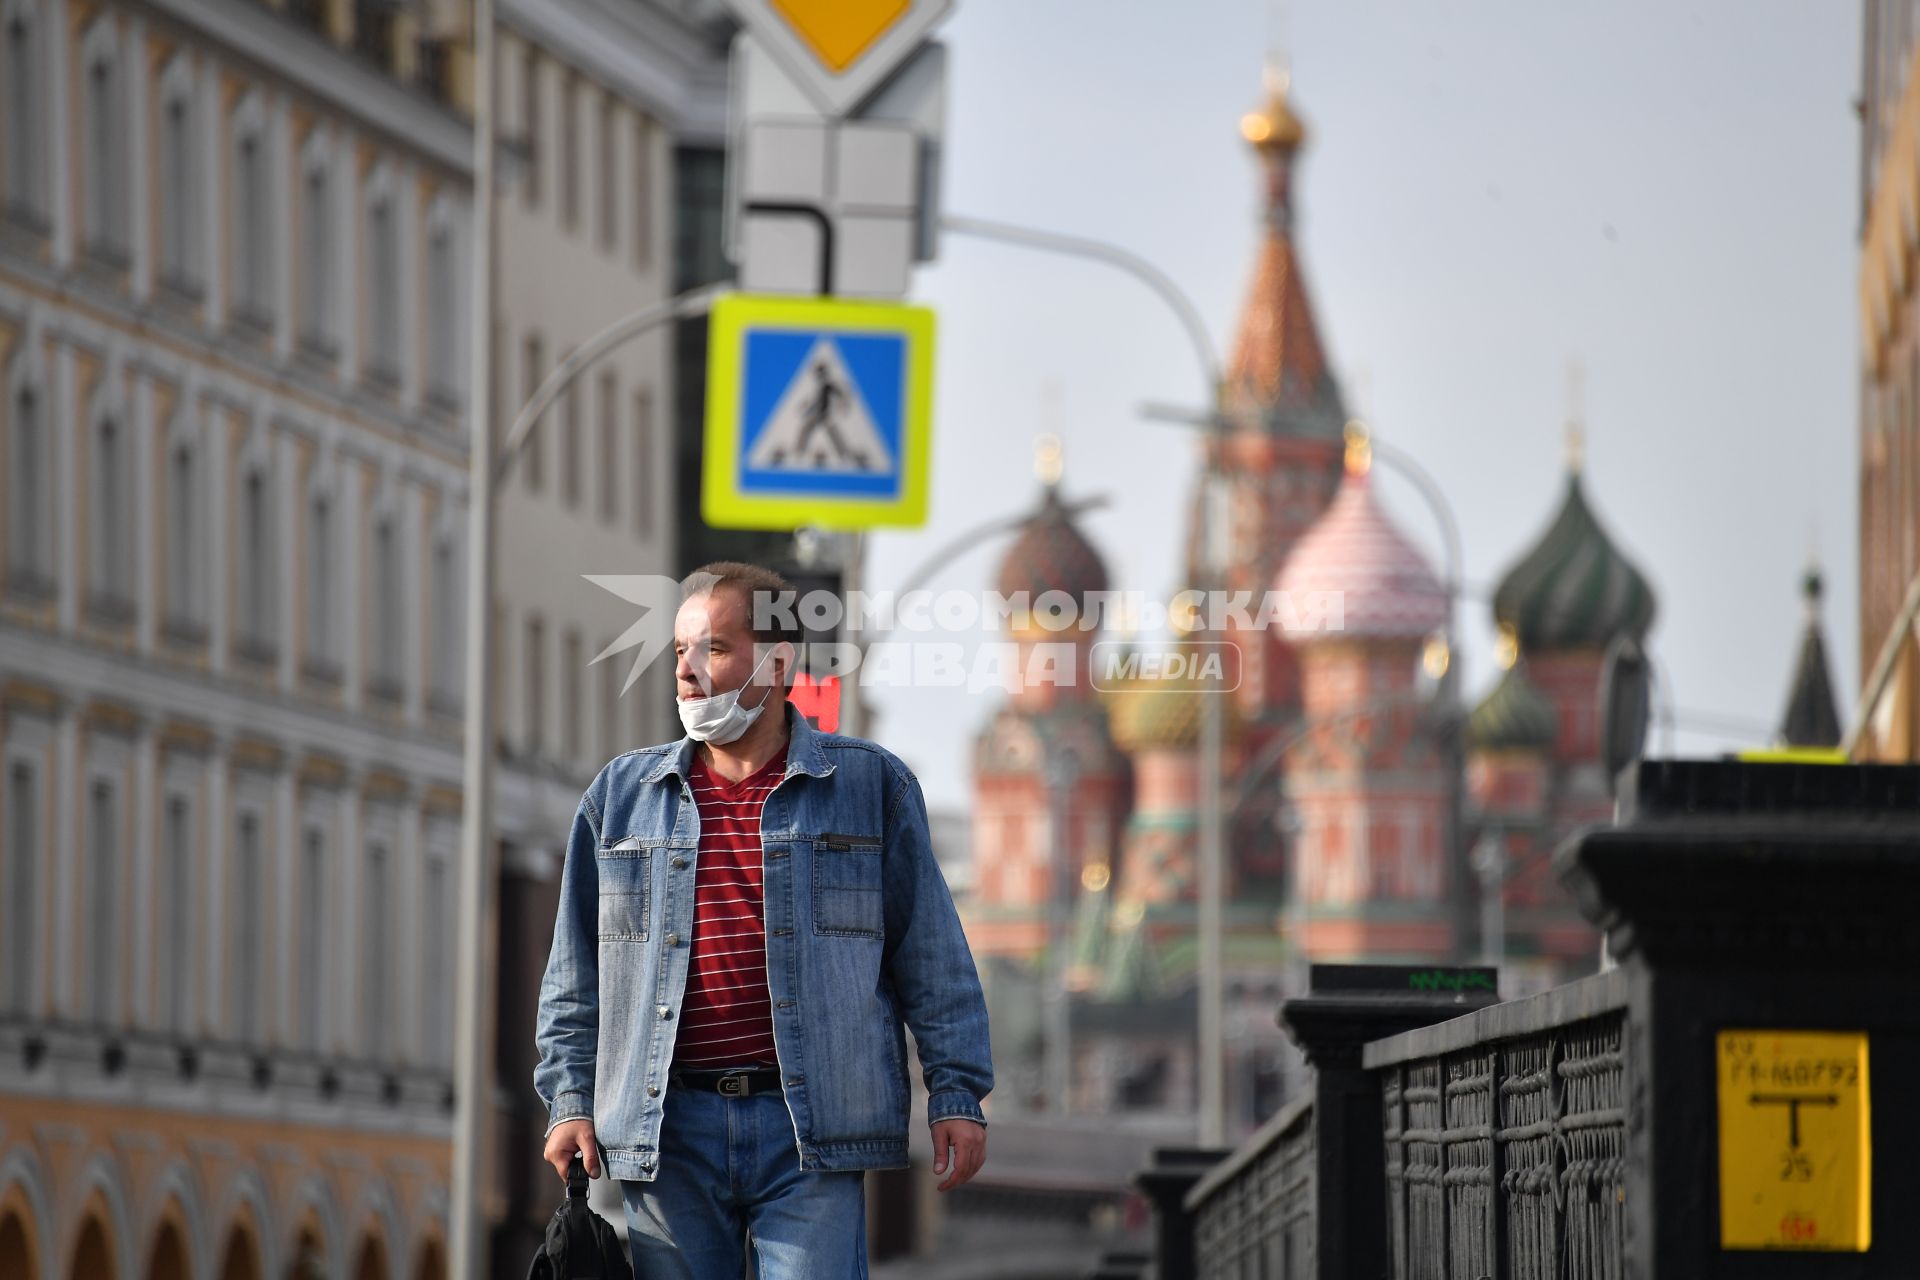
column 1277, row 375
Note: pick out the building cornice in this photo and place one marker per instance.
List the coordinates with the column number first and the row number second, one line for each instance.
column 377, row 101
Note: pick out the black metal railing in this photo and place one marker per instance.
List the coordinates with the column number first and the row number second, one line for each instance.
column 1504, row 1136
column 1256, row 1210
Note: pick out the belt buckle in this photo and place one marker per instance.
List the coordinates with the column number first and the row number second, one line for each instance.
column 735, row 1084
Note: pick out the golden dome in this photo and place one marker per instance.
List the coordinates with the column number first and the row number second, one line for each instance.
column 1274, row 127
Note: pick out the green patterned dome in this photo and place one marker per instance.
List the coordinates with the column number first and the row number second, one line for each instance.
column 1574, row 590
column 1516, row 716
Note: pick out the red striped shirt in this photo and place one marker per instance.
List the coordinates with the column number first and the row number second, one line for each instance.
column 726, row 1017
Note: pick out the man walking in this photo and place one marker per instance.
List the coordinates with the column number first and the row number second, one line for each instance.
column 749, row 917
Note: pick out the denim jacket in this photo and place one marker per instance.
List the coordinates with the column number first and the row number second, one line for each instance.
column 862, row 940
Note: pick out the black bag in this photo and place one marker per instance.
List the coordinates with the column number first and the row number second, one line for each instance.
column 581, row 1245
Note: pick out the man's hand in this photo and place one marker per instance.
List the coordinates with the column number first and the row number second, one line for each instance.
column 969, row 1151
column 575, row 1136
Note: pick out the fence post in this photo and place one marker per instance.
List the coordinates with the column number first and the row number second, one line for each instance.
column 1165, row 1183
column 1779, row 899
column 1345, row 1007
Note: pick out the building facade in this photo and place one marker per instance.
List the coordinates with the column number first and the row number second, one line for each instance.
column 1889, row 378
column 232, row 279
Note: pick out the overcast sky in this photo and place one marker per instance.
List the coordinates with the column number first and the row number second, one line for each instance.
column 1490, row 188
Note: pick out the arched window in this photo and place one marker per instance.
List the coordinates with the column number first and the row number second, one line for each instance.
column 112, row 527
column 383, row 283
column 186, row 605
column 179, row 188
column 25, row 860
column 322, row 595
column 316, row 256
column 256, row 614
column 92, row 1256
column 445, row 322
column 175, row 956
column 105, row 158
column 23, row 120
column 388, row 631
column 445, row 627
column 28, row 476
column 241, row 1259
column 252, row 226
column 376, row 929
column 249, row 907
column 313, row 918
column 435, row 969
column 104, row 841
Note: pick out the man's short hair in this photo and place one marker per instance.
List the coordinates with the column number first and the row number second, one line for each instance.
column 772, row 609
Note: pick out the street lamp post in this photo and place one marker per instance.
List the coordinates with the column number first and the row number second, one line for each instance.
column 1062, row 770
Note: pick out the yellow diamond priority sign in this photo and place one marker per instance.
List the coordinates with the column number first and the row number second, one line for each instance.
column 839, row 52
column 839, row 31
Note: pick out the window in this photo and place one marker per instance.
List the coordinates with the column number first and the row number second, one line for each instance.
column 536, row 671
column 530, row 99
column 443, row 319
column 376, row 980
column 570, row 445
column 609, row 469
column 642, row 191
column 435, row 978
column 313, row 917
column 112, row 529
column 383, row 287
column 611, row 677
column 316, row 258
column 103, row 900
column 24, row 140
column 445, row 627
column 569, row 151
column 387, row 606
column 643, row 463
column 256, row 614
column 105, row 158
column 184, row 516
column 573, row 671
column 178, row 183
column 249, row 904
column 322, row 654
column 23, row 859
column 642, row 707
column 175, row 958
column 28, row 477
column 251, row 216
column 609, row 175
column 536, row 373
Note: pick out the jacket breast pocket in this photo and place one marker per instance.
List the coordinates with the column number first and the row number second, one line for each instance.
column 626, row 869
column 846, row 886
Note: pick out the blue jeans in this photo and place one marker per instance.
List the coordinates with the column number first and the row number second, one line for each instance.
column 729, row 1174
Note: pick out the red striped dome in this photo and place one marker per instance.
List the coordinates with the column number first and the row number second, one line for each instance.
column 1354, row 550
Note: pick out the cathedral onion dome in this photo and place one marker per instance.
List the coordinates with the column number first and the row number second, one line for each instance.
column 1148, row 715
column 1811, row 719
column 1353, row 552
column 1574, row 590
column 1051, row 554
column 1516, row 716
column 1274, row 128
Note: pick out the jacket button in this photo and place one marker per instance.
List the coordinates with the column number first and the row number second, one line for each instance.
column 673, row 939
column 679, row 864
column 795, row 1081
column 653, row 1091
column 666, row 1012
column 784, row 1004
column 781, row 933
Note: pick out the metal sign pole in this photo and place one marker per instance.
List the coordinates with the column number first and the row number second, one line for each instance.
column 473, row 1010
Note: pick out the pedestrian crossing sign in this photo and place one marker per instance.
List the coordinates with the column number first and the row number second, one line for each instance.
column 819, row 412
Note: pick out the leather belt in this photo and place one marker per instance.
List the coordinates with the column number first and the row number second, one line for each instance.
column 739, row 1082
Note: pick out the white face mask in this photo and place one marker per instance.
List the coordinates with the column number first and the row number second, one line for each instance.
column 720, row 719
